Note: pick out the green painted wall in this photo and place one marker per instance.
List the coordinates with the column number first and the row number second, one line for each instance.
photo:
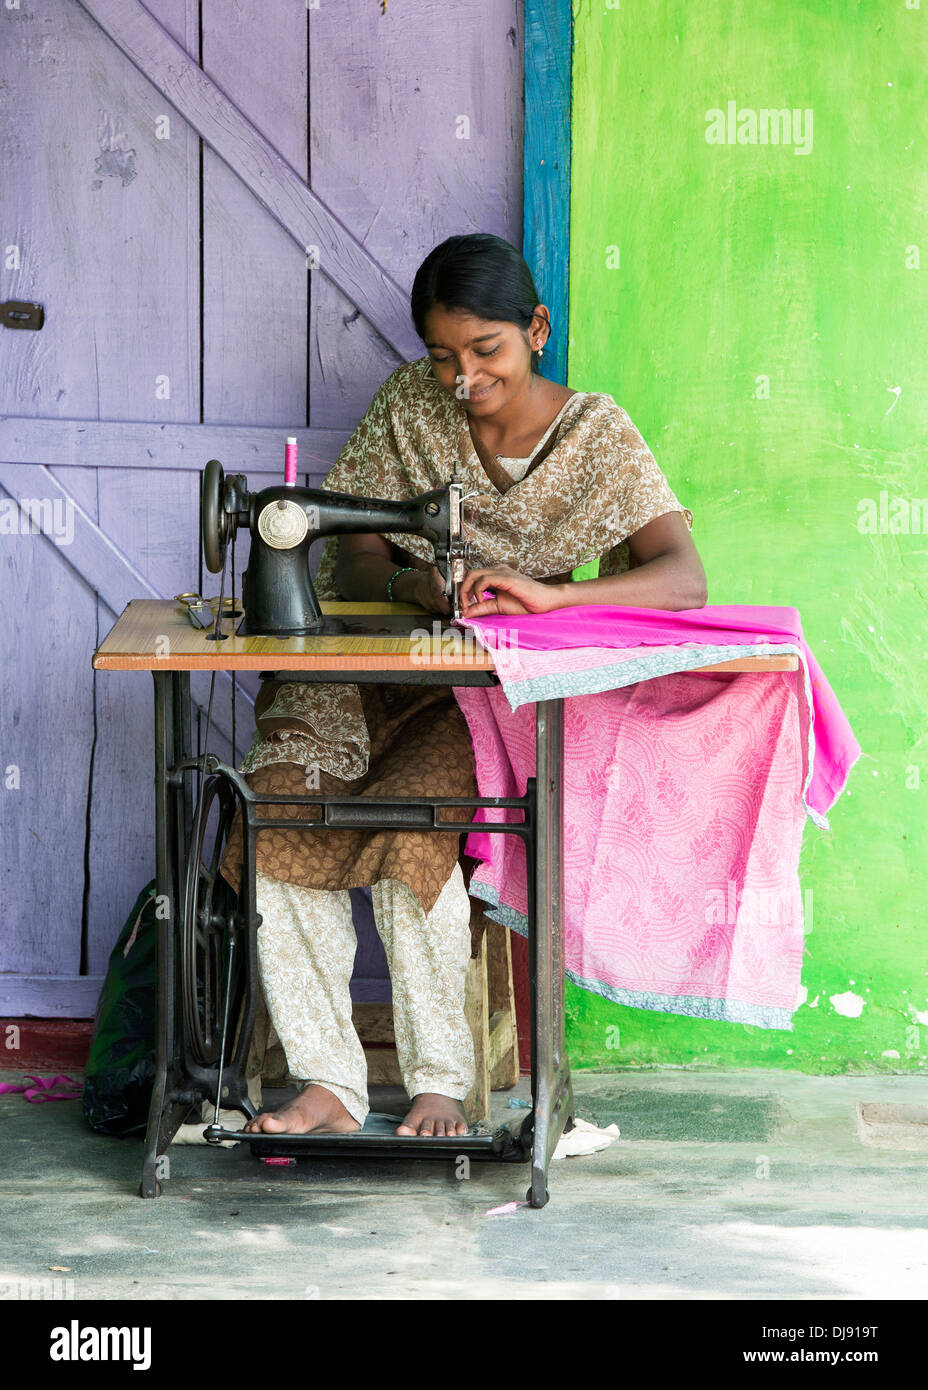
column 740, row 264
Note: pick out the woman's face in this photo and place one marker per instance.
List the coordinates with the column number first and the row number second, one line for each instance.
column 485, row 363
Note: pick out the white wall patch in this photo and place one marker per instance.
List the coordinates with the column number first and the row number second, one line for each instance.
column 849, row 1004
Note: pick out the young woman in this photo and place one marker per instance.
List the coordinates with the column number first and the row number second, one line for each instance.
column 556, row 478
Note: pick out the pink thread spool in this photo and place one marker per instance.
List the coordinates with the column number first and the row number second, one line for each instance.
column 290, row 463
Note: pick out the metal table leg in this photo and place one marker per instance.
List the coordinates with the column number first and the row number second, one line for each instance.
column 172, row 716
column 551, row 1089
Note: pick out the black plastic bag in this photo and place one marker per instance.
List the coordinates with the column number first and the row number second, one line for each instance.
column 120, row 1070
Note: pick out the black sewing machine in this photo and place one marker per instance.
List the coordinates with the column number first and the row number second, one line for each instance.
column 285, row 520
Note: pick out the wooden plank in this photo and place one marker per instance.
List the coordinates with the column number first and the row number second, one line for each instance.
column 126, row 444
column 114, row 818
column 49, row 996
column 499, row 964
column 386, row 110
column 383, row 1068
column 255, row 279
column 260, row 167
column 477, row 1101
column 546, row 202
column 121, row 813
column 503, row 1056
column 156, row 635
column 49, row 1045
column 749, row 663
column 373, row 1022
column 104, row 224
column 374, row 1026
column 47, row 622
column 502, row 1051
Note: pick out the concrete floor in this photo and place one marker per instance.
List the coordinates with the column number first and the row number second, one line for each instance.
column 738, row 1185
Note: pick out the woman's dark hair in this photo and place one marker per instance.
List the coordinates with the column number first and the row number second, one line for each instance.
column 479, row 273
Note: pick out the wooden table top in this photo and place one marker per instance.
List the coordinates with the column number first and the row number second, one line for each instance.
column 156, row 635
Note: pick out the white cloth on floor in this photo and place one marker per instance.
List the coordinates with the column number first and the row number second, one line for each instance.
column 585, row 1138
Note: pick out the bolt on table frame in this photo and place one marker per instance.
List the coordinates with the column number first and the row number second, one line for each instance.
column 149, row 627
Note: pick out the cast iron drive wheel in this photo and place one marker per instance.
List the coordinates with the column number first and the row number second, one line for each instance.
column 209, row 916
column 214, row 523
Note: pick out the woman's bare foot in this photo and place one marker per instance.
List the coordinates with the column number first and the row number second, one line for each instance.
column 315, row 1109
column 434, row 1116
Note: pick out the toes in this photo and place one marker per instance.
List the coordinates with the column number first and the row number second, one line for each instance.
column 432, row 1127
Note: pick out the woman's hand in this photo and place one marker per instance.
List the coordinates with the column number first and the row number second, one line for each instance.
column 513, row 594
column 425, row 587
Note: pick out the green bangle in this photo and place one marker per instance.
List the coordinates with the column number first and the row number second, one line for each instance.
column 410, row 569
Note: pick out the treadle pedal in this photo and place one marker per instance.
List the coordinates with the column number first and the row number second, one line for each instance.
column 379, row 1140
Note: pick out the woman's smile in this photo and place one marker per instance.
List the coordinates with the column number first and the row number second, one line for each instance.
column 482, row 394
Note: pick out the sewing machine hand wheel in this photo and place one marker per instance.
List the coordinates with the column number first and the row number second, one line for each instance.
column 214, row 519
column 209, row 912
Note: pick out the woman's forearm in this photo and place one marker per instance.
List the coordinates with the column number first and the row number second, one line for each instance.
column 667, row 582
column 366, row 576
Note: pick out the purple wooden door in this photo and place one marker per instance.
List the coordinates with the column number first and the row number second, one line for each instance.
column 221, row 207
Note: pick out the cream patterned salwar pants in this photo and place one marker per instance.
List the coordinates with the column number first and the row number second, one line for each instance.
column 306, row 948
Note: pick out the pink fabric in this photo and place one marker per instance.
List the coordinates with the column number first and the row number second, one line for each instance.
column 683, row 803
column 605, row 628
column 44, row 1088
